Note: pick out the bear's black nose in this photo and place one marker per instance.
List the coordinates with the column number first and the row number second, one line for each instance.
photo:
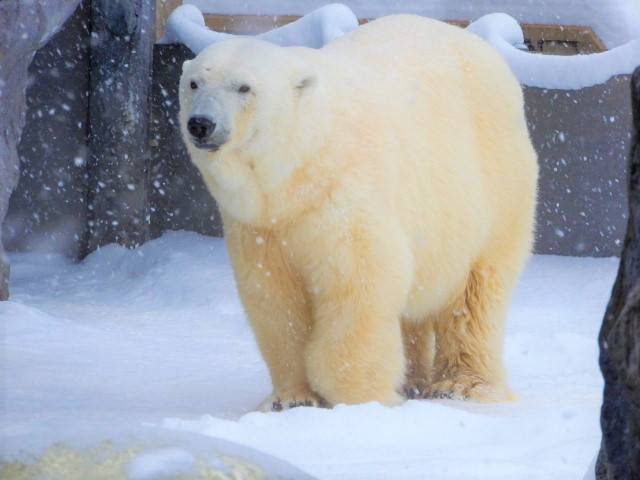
column 200, row 127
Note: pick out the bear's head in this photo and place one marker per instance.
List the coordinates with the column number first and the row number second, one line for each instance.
column 244, row 107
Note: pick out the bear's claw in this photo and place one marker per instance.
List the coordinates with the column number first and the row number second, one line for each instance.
column 467, row 388
column 280, row 402
column 413, row 392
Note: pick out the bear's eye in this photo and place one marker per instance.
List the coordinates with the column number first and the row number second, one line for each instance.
column 244, row 88
column 194, row 85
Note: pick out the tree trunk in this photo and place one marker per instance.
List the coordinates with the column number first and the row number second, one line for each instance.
column 619, row 457
column 122, row 37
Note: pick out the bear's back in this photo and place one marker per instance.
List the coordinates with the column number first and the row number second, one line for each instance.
column 393, row 34
column 449, row 102
column 410, row 46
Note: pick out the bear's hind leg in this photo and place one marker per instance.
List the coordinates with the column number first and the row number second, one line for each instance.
column 469, row 335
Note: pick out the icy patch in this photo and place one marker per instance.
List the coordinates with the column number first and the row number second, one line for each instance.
column 186, row 25
column 553, row 71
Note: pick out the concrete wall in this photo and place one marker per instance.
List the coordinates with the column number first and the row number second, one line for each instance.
column 583, row 138
column 177, row 196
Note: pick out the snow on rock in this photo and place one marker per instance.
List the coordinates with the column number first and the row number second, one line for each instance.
column 615, row 21
column 554, row 71
column 186, row 25
column 150, row 347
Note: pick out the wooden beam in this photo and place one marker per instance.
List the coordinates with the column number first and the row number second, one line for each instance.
column 247, row 24
column 163, row 10
column 583, row 37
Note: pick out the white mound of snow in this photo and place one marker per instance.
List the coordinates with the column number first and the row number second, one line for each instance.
column 554, row 71
column 186, row 25
column 157, row 336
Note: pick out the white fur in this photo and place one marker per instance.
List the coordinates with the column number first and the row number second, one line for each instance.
column 391, row 181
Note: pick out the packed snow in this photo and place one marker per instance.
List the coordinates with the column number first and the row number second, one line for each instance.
column 156, row 338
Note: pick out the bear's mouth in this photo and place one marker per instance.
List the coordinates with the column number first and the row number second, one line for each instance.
column 212, row 147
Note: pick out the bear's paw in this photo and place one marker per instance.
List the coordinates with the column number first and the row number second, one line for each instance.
column 467, row 387
column 277, row 402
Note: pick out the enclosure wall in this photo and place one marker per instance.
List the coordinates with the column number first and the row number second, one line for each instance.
column 582, row 137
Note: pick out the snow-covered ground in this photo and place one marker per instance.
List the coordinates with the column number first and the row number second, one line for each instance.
column 157, row 335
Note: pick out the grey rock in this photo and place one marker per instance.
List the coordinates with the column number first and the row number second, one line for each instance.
column 24, row 27
column 619, row 457
column 47, row 211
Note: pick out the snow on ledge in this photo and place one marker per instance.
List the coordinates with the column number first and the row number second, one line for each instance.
column 186, row 25
column 554, row 71
column 614, row 21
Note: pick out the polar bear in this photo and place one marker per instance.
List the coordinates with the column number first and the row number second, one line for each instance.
column 378, row 199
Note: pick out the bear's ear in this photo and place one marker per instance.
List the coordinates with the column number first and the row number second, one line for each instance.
column 185, row 64
column 305, row 84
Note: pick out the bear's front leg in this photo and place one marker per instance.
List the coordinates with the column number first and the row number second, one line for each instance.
column 355, row 353
column 280, row 317
column 279, row 313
